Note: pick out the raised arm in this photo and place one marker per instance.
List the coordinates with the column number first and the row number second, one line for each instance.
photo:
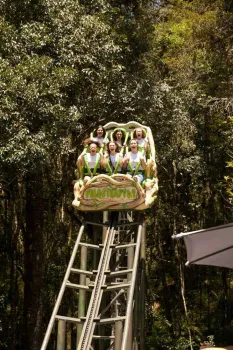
column 143, row 163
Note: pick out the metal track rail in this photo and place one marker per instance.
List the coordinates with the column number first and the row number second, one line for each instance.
column 89, row 325
column 62, row 290
column 112, row 318
column 129, row 310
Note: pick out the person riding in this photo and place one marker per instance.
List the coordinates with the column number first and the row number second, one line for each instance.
column 135, row 162
column 114, row 160
column 140, row 135
column 90, row 164
column 99, row 135
column 120, row 137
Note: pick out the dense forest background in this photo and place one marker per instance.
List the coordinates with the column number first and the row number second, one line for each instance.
column 69, row 65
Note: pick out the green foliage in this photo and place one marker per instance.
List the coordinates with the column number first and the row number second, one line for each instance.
column 190, row 53
column 68, row 65
column 64, row 68
column 228, row 177
column 55, row 71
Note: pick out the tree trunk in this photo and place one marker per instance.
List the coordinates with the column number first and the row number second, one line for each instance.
column 33, row 263
column 181, row 270
column 13, row 280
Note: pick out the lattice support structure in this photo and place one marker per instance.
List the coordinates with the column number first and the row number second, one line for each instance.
column 110, row 313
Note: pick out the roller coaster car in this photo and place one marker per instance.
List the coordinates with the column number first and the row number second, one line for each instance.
column 119, row 191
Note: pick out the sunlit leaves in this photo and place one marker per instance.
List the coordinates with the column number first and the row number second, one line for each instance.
column 51, row 72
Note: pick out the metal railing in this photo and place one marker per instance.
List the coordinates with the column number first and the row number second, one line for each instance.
column 116, row 292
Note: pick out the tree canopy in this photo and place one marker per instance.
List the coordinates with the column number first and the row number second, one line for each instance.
column 67, row 66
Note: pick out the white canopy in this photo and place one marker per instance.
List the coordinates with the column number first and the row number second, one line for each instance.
column 213, row 246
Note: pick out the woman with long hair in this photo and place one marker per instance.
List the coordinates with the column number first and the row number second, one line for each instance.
column 140, row 135
column 113, row 159
column 98, row 135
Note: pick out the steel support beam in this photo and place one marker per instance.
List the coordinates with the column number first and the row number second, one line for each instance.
column 61, row 335
column 115, row 318
column 142, row 287
column 118, row 334
column 82, row 293
column 62, row 290
column 130, row 261
column 131, row 292
column 101, row 330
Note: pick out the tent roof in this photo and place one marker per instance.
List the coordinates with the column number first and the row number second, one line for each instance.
column 212, row 246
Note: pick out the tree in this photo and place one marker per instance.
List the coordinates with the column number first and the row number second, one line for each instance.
column 62, row 63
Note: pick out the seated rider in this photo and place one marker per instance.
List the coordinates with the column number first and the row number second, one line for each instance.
column 134, row 162
column 113, row 161
column 120, row 137
column 99, row 135
column 90, row 164
column 140, row 135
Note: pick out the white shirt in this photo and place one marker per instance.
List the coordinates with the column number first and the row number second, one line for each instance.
column 141, row 142
column 101, row 140
column 134, row 159
column 91, row 160
column 114, row 159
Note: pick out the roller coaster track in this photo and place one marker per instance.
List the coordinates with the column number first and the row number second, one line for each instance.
column 113, row 313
